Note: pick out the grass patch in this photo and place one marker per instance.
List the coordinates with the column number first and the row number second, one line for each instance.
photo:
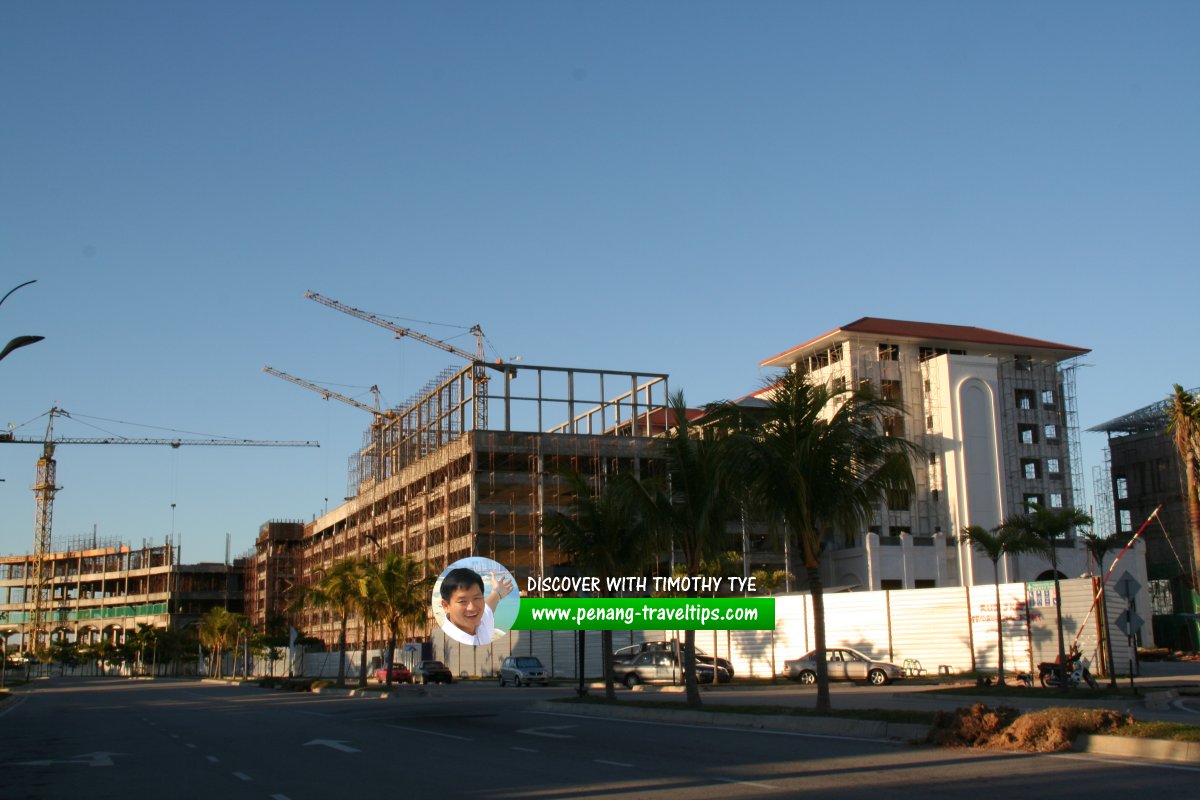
column 1174, row 731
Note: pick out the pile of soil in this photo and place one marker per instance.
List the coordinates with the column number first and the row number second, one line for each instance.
column 1003, row 728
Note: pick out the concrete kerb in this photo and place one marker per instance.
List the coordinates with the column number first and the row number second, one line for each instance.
column 822, row 726
column 1158, row 749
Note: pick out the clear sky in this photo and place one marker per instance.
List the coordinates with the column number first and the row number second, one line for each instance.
column 679, row 187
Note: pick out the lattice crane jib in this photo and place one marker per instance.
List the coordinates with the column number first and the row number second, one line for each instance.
column 479, row 375
column 45, row 487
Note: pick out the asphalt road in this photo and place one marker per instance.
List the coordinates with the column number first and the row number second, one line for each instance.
column 114, row 738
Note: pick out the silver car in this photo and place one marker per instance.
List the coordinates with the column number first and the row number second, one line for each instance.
column 522, row 671
column 844, row 664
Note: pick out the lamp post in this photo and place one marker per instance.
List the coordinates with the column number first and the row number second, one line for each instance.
column 20, row 341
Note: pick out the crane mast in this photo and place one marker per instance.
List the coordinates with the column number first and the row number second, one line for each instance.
column 45, row 487
column 479, row 376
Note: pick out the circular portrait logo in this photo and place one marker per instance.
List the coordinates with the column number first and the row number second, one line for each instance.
column 475, row 600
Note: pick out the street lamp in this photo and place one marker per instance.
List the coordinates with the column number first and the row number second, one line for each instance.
column 20, row 341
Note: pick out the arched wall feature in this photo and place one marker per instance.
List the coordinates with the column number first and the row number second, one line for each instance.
column 981, row 462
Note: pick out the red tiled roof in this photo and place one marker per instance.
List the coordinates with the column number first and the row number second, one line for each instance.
column 931, row 332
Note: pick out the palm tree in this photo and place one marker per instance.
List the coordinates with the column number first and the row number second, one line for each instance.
column 1183, row 413
column 604, row 538
column 337, row 591
column 215, row 629
column 399, row 597
column 1046, row 527
column 769, row 582
column 819, row 460
column 995, row 545
column 692, row 511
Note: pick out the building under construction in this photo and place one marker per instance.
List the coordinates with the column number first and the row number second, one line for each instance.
column 101, row 589
column 470, row 467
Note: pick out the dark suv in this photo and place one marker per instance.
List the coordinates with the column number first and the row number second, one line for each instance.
column 432, row 672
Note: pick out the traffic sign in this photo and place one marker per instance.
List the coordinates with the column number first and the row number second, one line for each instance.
column 1127, row 585
column 1129, row 622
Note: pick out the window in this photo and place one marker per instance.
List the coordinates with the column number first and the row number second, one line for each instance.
column 889, row 390
column 1033, row 500
column 1031, row 468
column 838, row 384
column 1028, row 434
column 889, row 352
column 929, row 423
column 1048, row 398
column 1122, row 488
column 893, row 426
column 1023, row 362
column 888, row 583
column 1025, row 399
column 1052, row 467
column 1051, row 433
column 1056, row 500
column 835, row 353
column 1126, row 517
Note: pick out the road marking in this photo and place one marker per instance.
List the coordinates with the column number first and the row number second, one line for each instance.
column 242, row 776
column 523, row 749
column 544, row 731
column 746, row 783
column 611, row 763
column 11, row 706
column 333, row 744
column 213, row 759
column 1181, row 704
column 280, row 797
column 191, row 746
column 431, row 733
column 174, row 735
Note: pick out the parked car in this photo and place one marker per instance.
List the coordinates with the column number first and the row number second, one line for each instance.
column 635, row 650
column 522, row 671
column 844, row 664
column 660, row 666
column 400, row 674
column 432, row 672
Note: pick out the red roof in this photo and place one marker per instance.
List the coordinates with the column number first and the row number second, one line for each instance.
column 933, row 332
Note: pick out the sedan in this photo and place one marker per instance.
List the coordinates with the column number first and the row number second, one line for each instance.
column 661, row 667
column 634, row 650
column 399, row 674
column 844, row 664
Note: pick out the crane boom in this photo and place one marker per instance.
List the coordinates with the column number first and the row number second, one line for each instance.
column 401, row 331
column 45, row 488
column 327, row 393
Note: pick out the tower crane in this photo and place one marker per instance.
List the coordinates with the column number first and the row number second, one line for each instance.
column 376, row 425
column 479, row 376
column 44, row 490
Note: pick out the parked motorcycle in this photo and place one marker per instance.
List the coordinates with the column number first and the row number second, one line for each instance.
column 1050, row 672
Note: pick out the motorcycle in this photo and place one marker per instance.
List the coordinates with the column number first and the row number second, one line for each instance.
column 1050, row 672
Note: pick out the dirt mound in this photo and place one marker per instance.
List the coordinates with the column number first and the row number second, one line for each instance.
column 1003, row 728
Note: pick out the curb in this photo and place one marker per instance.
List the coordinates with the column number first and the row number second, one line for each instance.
column 819, row 726
column 1158, row 749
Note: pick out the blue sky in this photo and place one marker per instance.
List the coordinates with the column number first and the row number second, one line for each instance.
column 669, row 187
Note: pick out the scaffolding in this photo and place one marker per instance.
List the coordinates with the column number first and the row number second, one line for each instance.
column 448, row 489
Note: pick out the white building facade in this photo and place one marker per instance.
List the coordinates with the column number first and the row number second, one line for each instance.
column 994, row 416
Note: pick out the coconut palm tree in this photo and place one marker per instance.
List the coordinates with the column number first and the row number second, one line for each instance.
column 819, row 460
column 337, row 590
column 399, row 596
column 995, row 545
column 604, row 537
column 692, row 509
column 769, row 582
column 1046, row 527
column 215, row 629
column 1183, row 413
